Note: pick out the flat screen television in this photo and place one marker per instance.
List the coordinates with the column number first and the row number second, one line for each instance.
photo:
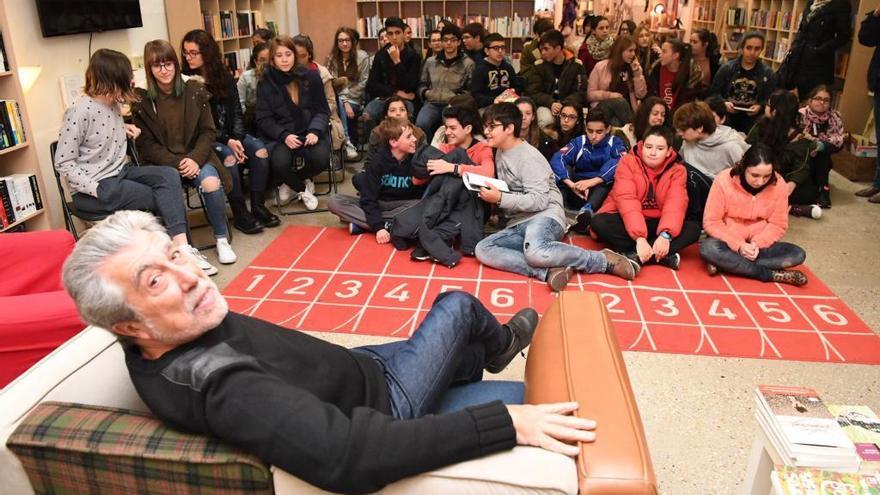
column 60, row 17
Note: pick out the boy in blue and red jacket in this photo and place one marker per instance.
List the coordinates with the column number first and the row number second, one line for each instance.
column 386, row 186
column 586, row 168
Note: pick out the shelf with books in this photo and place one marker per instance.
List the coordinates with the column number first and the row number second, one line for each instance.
column 14, row 148
column 27, row 218
column 511, row 18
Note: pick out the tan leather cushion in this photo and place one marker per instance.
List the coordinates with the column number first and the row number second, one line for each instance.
column 574, row 356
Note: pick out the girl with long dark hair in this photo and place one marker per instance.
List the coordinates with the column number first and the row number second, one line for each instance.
column 647, row 50
column 530, row 131
column 347, row 61
column 706, row 54
column 618, row 83
column 652, row 111
column 824, row 126
column 674, row 77
column 234, row 146
column 745, row 218
column 597, row 45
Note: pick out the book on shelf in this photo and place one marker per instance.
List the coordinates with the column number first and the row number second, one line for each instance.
column 11, row 126
column 19, row 197
column 243, row 19
column 862, row 426
column 227, row 24
column 802, row 430
column 508, row 26
column 4, row 60
column 788, row 480
column 736, row 16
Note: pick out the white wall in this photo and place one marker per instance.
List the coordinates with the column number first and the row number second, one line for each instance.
column 66, row 55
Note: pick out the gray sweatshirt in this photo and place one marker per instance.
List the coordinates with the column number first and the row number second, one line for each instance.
column 91, row 144
column 721, row 150
column 532, row 185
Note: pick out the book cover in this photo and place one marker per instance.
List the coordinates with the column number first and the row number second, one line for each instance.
column 6, row 199
column 35, row 190
column 806, row 481
column 475, row 181
column 803, row 417
column 862, row 426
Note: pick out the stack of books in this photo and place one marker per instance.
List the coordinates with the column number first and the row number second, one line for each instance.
column 802, row 430
column 788, row 480
column 19, row 198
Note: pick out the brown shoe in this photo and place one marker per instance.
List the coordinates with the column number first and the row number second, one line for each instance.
column 558, row 277
column 791, row 277
column 712, row 269
column 620, row 265
column 868, row 192
column 875, row 198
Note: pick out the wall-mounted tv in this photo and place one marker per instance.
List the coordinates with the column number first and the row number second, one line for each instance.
column 60, row 17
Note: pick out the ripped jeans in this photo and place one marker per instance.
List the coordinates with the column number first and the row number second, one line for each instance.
column 531, row 247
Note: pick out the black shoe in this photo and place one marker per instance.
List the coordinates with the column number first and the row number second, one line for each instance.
column 419, row 254
column 262, row 214
column 582, row 221
column 671, row 261
column 867, row 192
column 400, row 243
column 522, row 327
column 824, row 200
column 242, row 218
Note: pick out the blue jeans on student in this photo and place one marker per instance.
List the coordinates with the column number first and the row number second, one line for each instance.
column 147, row 187
column 215, row 201
column 429, row 117
column 451, row 346
column 532, row 247
column 779, row 256
column 259, row 167
column 340, row 106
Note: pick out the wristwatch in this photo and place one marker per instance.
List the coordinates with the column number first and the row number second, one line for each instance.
column 665, row 235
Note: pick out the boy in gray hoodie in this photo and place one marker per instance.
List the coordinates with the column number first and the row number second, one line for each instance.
column 708, row 147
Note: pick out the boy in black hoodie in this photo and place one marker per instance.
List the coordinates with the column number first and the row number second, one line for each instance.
column 387, row 185
column 395, row 71
column 494, row 74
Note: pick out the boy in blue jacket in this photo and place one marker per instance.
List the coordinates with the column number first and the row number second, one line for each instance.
column 586, row 168
column 386, row 185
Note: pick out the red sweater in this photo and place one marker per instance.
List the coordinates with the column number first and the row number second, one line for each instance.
column 735, row 216
column 480, row 154
column 631, row 190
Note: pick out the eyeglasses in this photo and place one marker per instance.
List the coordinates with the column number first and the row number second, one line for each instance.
column 449, row 39
column 821, row 99
column 487, row 128
column 567, row 116
column 192, row 53
column 499, row 48
column 343, row 40
column 167, row 65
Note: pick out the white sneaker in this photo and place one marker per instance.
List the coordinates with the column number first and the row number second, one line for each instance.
column 309, row 200
column 201, row 261
column 351, row 153
column 224, row 251
column 285, row 194
column 815, row 212
column 310, row 186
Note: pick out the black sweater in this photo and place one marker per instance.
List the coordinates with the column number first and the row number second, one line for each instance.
column 386, row 77
column 278, row 116
column 490, row 80
column 386, row 179
column 314, row 409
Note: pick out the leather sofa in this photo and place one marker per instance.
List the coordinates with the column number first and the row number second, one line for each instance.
column 574, row 356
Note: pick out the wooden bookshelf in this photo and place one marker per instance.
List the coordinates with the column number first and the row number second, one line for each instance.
column 511, row 18
column 234, row 37
column 21, row 158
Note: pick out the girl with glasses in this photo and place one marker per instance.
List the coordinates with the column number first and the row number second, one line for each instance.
column 233, row 144
column 351, row 67
column 824, row 126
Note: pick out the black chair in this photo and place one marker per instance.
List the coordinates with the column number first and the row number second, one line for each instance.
column 335, row 173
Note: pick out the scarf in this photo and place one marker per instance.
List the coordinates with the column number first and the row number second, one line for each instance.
column 284, row 78
column 599, row 49
column 827, row 127
column 749, row 189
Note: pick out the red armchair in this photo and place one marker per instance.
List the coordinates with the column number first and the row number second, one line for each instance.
column 36, row 314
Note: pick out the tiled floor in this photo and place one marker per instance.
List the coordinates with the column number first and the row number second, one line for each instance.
column 698, row 411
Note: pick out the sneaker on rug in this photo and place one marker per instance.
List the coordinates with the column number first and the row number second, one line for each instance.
column 712, row 269
column 558, row 277
column 309, row 200
column 286, row 194
column 310, row 186
column 225, row 254
column 201, row 261
column 620, row 265
column 671, row 261
column 355, row 229
column 791, row 277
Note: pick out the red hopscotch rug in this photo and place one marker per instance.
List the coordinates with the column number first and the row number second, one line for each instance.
column 323, row 279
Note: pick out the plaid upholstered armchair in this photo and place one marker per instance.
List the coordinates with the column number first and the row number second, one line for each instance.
column 74, row 424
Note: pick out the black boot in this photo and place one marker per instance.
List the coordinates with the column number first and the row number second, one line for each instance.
column 242, row 218
column 263, row 215
column 824, row 200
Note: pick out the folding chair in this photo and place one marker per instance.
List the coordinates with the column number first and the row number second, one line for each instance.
column 67, row 207
column 335, row 171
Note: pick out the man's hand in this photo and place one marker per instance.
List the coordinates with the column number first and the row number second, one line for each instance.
column 574, row 188
column 555, row 108
column 749, row 251
column 551, row 427
column 188, row 168
column 729, row 106
column 132, row 130
column 394, row 53
column 292, row 141
column 584, row 186
column 643, row 249
column 439, row 166
column 754, row 109
column 311, row 139
column 490, row 194
column 383, row 236
column 660, row 247
column 237, row 150
column 636, row 66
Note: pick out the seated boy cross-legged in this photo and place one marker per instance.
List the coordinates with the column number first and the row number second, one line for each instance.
column 592, row 160
column 386, row 185
column 530, row 245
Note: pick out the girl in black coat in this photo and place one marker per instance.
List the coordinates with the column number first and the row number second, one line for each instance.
column 293, row 117
column 233, row 145
column 825, row 27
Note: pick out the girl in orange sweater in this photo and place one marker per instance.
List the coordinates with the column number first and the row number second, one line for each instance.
column 746, row 216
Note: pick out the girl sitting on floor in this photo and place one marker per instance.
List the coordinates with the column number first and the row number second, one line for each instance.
column 531, row 132
column 746, row 216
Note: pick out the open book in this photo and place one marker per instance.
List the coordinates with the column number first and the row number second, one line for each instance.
column 475, row 181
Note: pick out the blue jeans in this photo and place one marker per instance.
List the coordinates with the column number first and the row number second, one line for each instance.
column 215, row 201
column 451, row 346
column 429, row 117
column 258, row 166
column 776, row 257
column 531, row 247
column 340, row 105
